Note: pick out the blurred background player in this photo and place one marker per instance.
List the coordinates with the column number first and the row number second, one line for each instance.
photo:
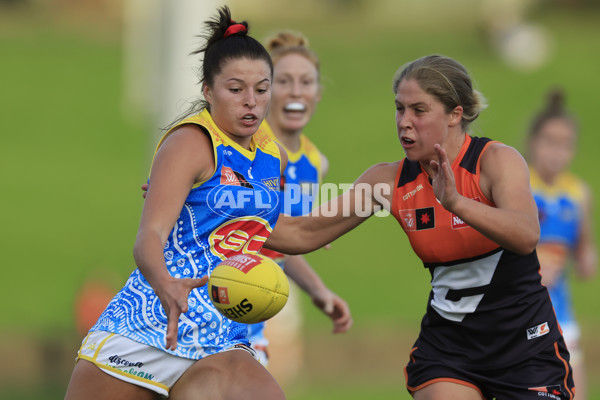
column 565, row 212
column 295, row 94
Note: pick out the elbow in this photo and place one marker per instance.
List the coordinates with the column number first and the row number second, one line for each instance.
column 527, row 243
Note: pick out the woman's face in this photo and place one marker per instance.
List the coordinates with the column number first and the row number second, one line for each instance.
column 421, row 121
column 296, row 92
column 239, row 97
column 553, row 148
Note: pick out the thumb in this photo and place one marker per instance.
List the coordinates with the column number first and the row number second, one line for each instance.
column 198, row 282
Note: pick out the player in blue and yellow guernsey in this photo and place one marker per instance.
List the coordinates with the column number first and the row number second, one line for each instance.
column 564, row 207
column 213, row 193
column 465, row 204
column 295, row 94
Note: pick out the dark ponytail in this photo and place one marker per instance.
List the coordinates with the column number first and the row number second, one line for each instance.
column 555, row 108
column 225, row 40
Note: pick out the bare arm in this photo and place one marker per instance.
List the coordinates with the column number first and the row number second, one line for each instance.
column 336, row 308
column 299, row 235
column 586, row 253
column 184, row 159
column 513, row 223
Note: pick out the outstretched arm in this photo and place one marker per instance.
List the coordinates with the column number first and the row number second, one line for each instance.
column 184, row 158
column 370, row 193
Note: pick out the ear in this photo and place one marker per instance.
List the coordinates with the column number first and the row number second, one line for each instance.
column 455, row 116
column 207, row 93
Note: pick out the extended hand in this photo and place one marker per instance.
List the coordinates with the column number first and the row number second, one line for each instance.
column 335, row 308
column 443, row 183
column 174, row 299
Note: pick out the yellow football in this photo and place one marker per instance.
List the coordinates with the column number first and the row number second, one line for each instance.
column 248, row 288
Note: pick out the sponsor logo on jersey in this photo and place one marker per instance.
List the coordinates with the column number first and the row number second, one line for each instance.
column 418, row 219
column 425, row 218
column 242, row 262
column 412, row 192
column 242, row 235
column 220, row 294
column 271, row 183
column 236, row 193
column 537, row 331
column 551, row 392
column 231, row 177
column 458, row 223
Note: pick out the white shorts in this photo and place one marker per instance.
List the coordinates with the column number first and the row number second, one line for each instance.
column 137, row 363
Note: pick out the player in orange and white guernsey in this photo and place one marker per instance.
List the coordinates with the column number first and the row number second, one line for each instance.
column 296, row 92
column 466, row 205
column 213, row 193
column 565, row 212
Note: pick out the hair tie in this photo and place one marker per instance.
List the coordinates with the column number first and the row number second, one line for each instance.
column 233, row 29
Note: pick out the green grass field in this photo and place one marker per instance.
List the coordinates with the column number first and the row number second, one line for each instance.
column 72, row 165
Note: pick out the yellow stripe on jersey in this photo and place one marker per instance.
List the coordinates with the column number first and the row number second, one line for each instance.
column 262, row 139
column 566, row 183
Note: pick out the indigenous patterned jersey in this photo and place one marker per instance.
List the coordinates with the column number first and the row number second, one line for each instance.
column 487, row 305
column 560, row 213
column 232, row 212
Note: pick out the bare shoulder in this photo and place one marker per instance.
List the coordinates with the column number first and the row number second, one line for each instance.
column 189, row 146
column 500, row 158
column 188, row 135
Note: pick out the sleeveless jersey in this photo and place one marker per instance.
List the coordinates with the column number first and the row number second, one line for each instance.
column 487, row 306
column 232, row 212
column 560, row 214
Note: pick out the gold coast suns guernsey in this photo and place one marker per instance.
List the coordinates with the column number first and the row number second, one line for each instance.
column 487, row 305
column 232, row 212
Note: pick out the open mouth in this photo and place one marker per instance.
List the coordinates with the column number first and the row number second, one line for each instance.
column 295, row 106
column 406, row 141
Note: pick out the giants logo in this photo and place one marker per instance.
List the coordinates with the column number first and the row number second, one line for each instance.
column 537, row 331
column 241, row 235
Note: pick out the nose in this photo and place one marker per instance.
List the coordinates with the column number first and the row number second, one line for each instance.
column 250, row 100
column 296, row 88
column 402, row 120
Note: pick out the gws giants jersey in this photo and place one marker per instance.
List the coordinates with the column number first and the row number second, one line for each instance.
column 560, row 208
column 233, row 212
column 487, row 305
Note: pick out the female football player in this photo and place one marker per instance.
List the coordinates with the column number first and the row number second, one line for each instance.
column 161, row 335
column 565, row 213
column 466, row 205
